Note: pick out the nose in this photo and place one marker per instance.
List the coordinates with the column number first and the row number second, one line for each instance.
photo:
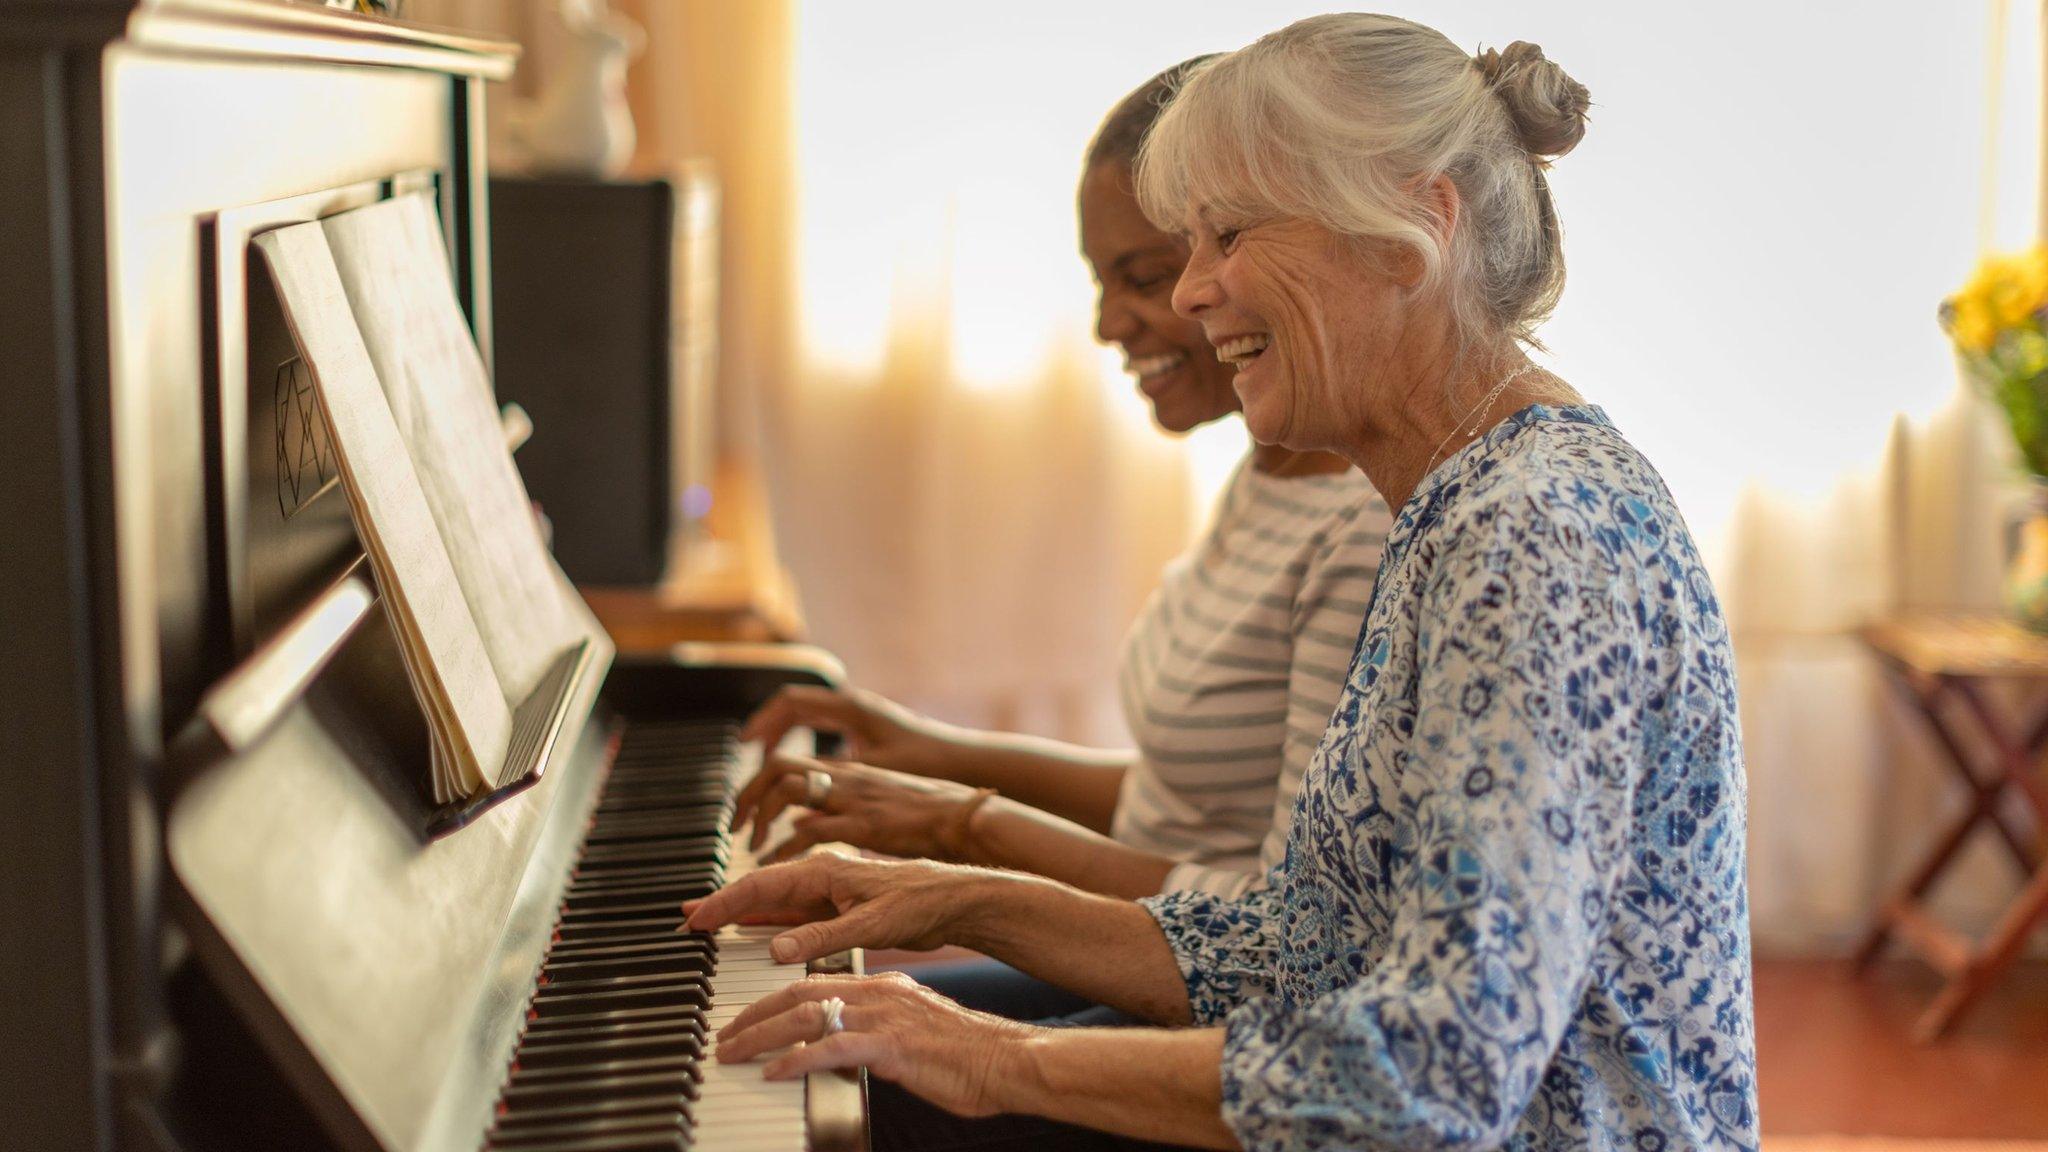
column 1196, row 291
column 1114, row 322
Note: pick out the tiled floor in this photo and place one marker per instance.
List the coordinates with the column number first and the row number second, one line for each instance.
column 1835, row 1056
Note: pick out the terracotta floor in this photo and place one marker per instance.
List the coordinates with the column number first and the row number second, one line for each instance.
column 1834, row 1055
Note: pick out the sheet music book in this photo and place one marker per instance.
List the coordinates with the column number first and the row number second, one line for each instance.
column 481, row 610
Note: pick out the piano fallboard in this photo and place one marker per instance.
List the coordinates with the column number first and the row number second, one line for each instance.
column 389, row 976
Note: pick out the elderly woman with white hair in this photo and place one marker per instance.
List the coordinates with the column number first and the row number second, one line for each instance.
column 1512, row 909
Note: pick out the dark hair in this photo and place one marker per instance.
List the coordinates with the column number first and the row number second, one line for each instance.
column 1125, row 126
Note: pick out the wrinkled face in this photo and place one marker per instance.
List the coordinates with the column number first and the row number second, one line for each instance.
column 1305, row 318
column 1136, row 267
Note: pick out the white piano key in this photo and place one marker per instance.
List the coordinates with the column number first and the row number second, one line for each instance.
column 736, row 1109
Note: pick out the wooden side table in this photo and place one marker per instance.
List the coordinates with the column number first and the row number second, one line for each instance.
column 728, row 584
column 1934, row 660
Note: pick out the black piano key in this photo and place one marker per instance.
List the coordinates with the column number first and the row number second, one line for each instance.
column 646, row 878
column 591, row 929
column 641, row 891
column 625, row 1142
column 549, row 1091
column 696, row 818
column 621, row 792
column 571, row 1053
column 573, row 916
column 713, row 856
column 665, row 1102
column 645, row 856
column 644, row 873
column 639, row 897
column 645, row 835
column 660, row 991
column 526, row 1135
column 661, row 943
column 619, row 1016
column 578, row 981
column 574, row 967
column 679, row 1074
column 660, row 1026
column 576, row 939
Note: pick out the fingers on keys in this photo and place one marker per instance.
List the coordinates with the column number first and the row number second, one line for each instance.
column 799, row 704
column 804, row 1022
column 780, row 783
column 796, row 1013
column 769, row 892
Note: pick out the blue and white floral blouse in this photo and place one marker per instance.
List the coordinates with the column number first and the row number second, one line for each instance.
column 1512, row 909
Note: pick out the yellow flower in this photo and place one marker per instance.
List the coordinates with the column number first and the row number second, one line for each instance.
column 2010, row 288
column 1971, row 323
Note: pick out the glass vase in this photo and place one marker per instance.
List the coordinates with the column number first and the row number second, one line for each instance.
column 2026, row 573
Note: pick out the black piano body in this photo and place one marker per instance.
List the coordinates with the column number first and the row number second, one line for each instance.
column 226, row 919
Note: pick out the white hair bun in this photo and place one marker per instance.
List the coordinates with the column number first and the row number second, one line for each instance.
column 1547, row 106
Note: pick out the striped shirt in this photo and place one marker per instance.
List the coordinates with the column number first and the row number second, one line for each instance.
column 1233, row 667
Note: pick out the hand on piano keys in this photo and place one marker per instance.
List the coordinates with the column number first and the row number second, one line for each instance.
column 894, row 813
column 887, row 1023
column 834, row 902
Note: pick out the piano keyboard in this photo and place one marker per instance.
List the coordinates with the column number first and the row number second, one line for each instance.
column 616, row 1052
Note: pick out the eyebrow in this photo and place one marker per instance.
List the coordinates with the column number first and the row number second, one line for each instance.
column 1127, row 259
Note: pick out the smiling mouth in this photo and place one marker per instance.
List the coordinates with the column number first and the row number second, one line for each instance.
column 1147, row 368
column 1240, row 351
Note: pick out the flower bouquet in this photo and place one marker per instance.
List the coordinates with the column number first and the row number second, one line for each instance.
column 1999, row 323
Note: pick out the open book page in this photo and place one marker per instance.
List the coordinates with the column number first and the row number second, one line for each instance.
column 444, row 654
column 393, row 263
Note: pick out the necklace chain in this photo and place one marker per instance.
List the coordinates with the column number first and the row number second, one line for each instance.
column 1479, row 410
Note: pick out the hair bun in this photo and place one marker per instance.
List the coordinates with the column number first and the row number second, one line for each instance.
column 1547, row 106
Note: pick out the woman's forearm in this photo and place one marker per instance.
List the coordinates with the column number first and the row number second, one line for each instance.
column 1104, row 949
column 1067, row 780
column 1006, row 834
column 1142, row 1082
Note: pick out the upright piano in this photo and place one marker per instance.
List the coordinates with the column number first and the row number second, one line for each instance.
column 229, row 915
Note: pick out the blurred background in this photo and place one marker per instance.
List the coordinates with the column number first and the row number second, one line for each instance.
column 1770, row 204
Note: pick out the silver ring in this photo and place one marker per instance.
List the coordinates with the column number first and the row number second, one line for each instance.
column 817, row 788
column 835, row 1013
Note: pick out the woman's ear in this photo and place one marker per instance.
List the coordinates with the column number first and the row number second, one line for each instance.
column 1441, row 206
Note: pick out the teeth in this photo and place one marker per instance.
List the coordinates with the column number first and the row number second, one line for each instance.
column 1146, row 367
column 1239, row 350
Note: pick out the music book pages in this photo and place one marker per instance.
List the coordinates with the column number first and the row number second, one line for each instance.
column 392, row 258
column 445, row 655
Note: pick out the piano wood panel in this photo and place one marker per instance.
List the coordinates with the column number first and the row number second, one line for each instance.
column 374, row 963
column 188, row 137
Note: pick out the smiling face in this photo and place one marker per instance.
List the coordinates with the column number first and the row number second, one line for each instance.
column 1136, row 267
column 1309, row 323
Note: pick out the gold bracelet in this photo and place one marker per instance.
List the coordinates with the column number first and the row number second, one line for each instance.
column 952, row 835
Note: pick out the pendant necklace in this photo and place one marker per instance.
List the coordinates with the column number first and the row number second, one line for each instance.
column 1478, row 409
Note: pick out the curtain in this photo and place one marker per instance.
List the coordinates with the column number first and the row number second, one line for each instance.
column 1847, row 790
column 969, row 550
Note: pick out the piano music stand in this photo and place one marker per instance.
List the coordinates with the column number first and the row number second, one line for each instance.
column 1935, row 661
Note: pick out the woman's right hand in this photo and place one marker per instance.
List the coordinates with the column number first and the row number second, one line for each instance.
column 866, row 807
column 838, row 902
column 877, row 730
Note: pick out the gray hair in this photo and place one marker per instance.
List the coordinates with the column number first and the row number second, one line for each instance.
column 1345, row 119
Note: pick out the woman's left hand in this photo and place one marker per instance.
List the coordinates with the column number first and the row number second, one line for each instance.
column 868, row 807
column 899, row 1029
